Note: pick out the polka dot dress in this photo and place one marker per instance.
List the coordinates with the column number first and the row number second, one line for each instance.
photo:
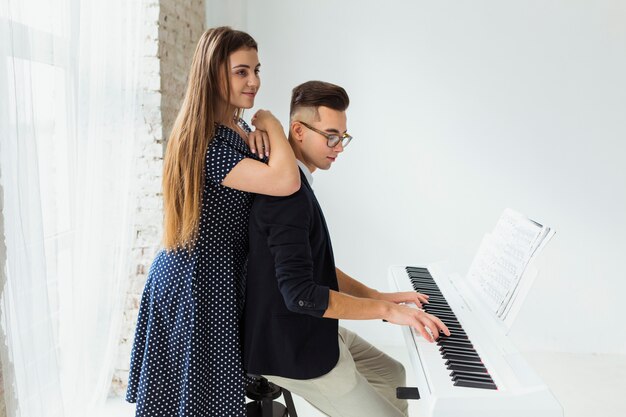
column 186, row 358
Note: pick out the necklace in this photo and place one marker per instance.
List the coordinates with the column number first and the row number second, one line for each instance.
column 239, row 123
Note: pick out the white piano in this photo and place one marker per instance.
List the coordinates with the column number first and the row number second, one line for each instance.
column 477, row 371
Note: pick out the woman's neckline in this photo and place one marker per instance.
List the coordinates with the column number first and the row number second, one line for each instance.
column 240, row 125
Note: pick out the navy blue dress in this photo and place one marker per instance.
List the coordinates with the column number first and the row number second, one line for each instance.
column 186, row 359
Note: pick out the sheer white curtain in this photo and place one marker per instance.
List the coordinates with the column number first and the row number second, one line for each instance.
column 69, row 115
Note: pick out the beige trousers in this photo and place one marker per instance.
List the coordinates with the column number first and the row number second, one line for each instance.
column 362, row 384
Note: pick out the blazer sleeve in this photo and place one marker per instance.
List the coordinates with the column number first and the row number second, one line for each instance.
column 286, row 222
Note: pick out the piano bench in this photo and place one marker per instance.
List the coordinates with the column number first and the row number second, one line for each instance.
column 263, row 393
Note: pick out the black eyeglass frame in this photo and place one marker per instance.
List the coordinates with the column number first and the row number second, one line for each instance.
column 330, row 137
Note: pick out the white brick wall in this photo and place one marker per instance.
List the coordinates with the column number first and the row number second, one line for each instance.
column 174, row 28
column 180, row 26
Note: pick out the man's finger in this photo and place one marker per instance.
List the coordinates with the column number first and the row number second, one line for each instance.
column 442, row 326
column 432, row 329
column 422, row 330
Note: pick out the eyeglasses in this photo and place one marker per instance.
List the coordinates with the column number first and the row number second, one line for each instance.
column 332, row 140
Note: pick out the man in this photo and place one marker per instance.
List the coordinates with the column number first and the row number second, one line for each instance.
column 295, row 294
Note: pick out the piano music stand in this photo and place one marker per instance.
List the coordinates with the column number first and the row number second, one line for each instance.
column 263, row 393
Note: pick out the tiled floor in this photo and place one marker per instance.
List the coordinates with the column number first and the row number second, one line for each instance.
column 585, row 385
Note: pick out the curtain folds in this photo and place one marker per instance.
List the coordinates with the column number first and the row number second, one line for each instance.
column 69, row 113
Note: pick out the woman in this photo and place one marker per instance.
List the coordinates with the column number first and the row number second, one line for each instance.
column 186, row 358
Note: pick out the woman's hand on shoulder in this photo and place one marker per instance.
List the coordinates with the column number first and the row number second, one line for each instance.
column 258, row 140
column 264, row 120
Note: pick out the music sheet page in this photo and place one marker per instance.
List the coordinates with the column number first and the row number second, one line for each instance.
column 503, row 256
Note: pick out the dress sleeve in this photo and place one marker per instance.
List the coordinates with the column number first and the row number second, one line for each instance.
column 221, row 159
column 286, row 222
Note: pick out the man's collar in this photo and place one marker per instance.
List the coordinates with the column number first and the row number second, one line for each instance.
column 307, row 173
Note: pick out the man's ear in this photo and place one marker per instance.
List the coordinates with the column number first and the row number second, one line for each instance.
column 297, row 131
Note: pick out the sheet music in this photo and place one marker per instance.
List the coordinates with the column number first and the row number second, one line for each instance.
column 503, row 256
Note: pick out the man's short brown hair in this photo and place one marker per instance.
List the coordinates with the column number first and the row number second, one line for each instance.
column 314, row 94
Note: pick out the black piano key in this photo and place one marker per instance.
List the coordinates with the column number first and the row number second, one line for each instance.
column 455, row 325
column 435, row 302
column 458, row 350
column 461, row 362
column 420, row 284
column 454, row 336
column 454, row 340
column 459, row 346
column 438, row 305
column 434, row 297
column 438, row 302
column 431, row 293
column 423, row 280
column 453, row 343
column 467, row 368
column 440, row 314
column 468, row 379
column 457, row 336
column 416, row 268
column 421, row 277
column 467, row 376
column 465, row 358
column 474, row 384
column 435, row 310
column 460, row 373
column 454, row 356
column 451, row 320
column 448, row 346
column 424, row 283
column 469, row 357
column 435, row 306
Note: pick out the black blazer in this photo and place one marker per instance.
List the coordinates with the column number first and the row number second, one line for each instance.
column 290, row 271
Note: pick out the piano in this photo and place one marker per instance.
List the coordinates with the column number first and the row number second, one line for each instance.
column 476, row 371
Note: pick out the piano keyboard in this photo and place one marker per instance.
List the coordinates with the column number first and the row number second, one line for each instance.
column 466, row 366
column 477, row 371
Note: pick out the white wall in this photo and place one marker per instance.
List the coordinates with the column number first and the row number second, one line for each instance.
column 460, row 109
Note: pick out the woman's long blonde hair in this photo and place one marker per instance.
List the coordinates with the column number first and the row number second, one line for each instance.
column 193, row 130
